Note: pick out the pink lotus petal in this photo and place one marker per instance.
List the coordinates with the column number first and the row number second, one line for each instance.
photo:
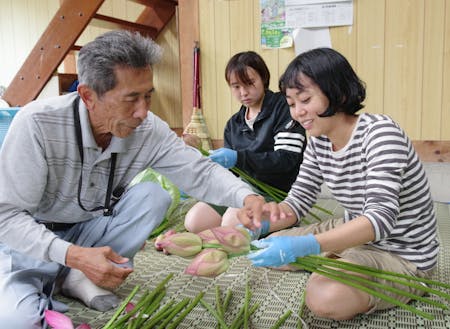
column 161, row 237
column 208, row 237
column 129, row 307
column 183, row 244
column 209, row 262
column 58, row 320
column 83, row 326
column 232, row 239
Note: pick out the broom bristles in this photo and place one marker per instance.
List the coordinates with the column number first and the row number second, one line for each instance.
column 197, row 127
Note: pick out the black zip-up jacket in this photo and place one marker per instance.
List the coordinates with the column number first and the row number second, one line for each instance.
column 273, row 151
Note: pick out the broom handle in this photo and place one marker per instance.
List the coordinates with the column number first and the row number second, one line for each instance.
column 196, row 100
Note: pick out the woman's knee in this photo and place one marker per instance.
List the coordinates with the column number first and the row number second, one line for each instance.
column 230, row 218
column 324, row 297
column 201, row 217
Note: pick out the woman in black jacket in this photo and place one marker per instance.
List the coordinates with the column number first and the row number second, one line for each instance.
column 260, row 139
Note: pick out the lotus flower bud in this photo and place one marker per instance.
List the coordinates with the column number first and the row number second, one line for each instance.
column 210, row 263
column 208, row 237
column 181, row 244
column 234, row 240
column 161, row 237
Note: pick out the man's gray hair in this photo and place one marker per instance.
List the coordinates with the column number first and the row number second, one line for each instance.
column 119, row 48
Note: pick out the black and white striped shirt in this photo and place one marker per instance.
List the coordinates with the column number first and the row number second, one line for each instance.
column 378, row 175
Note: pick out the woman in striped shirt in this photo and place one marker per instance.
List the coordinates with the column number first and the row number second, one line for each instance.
column 372, row 170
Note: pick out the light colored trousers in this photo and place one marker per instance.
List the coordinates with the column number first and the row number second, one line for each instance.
column 26, row 284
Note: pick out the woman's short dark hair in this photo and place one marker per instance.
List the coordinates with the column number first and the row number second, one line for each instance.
column 239, row 63
column 334, row 75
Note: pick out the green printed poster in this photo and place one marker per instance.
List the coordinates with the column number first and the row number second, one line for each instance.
column 274, row 33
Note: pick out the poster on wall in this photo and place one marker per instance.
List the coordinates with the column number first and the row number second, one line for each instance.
column 274, row 33
column 318, row 13
column 280, row 18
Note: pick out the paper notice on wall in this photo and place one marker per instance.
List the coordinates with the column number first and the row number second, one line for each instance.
column 318, row 13
column 307, row 39
column 274, row 33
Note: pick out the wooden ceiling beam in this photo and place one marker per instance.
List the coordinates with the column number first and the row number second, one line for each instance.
column 113, row 23
column 157, row 13
column 63, row 30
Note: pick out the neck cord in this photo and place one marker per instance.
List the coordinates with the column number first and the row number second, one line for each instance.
column 107, row 209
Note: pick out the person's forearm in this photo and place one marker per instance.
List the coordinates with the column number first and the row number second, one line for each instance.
column 353, row 233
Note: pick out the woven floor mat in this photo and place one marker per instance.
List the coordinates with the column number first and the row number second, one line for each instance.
column 274, row 291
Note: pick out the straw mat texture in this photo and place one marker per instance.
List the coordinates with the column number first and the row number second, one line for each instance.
column 274, row 291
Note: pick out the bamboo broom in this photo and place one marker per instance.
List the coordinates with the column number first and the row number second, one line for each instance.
column 197, row 125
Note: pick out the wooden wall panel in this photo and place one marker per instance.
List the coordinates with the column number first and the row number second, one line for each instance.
column 21, row 25
column 400, row 48
column 403, row 66
column 445, row 121
column 223, row 107
column 166, row 101
column 431, row 113
column 208, row 74
column 370, row 52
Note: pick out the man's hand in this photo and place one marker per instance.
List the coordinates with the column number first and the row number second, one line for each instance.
column 98, row 265
column 256, row 209
column 251, row 214
column 282, row 250
column 226, row 157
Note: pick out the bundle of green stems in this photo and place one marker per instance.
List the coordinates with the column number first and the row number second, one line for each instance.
column 148, row 311
column 243, row 317
column 361, row 277
column 274, row 193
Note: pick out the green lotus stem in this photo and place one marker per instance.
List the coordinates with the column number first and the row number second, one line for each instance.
column 237, row 322
column 219, row 306
column 394, row 277
column 227, row 300
column 176, row 310
column 275, row 193
column 214, row 313
column 143, row 302
column 183, row 314
column 141, row 307
column 148, row 309
column 246, row 303
column 282, row 320
column 121, row 307
column 300, row 310
column 375, row 270
column 315, row 216
column 367, row 290
column 323, row 210
column 170, row 314
column 137, row 308
column 158, row 316
column 375, row 284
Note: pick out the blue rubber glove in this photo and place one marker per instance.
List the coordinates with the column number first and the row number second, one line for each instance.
column 225, row 157
column 282, row 250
